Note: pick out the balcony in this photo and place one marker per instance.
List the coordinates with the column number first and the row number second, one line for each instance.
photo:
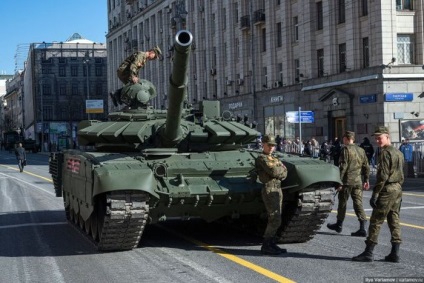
column 259, row 17
column 244, row 22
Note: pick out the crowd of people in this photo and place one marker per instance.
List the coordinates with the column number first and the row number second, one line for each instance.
column 328, row 150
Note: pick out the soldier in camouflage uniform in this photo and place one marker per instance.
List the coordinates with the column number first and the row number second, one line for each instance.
column 129, row 69
column 354, row 167
column 386, row 197
column 271, row 172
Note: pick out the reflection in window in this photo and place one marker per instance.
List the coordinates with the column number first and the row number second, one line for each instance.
column 405, row 49
column 404, row 5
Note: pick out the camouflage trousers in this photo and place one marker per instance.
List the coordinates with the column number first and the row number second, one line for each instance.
column 272, row 197
column 388, row 206
column 356, row 193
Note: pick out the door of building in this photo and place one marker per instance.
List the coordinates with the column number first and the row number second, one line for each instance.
column 339, row 127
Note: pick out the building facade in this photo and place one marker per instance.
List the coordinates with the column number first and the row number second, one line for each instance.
column 64, row 83
column 4, row 109
column 349, row 65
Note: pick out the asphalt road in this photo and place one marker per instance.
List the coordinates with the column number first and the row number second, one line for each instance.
column 37, row 245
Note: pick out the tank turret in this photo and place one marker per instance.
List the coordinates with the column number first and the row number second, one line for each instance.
column 177, row 87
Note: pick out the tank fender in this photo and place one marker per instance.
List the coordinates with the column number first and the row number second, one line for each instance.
column 108, row 179
column 301, row 176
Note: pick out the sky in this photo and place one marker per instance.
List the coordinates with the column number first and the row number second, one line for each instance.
column 28, row 21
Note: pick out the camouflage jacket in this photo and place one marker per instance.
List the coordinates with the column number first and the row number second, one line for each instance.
column 269, row 168
column 390, row 168
column 130, row 67
column 353, row 164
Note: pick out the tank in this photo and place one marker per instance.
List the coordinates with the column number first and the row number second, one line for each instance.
column 150, row 165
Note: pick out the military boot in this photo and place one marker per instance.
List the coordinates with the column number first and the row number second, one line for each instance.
column 367, row 255
column 276, row 247
column 268, row 249
column 394, row 254
column 361, row 232
column 336, row 226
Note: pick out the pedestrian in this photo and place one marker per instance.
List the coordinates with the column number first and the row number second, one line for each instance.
column 335, row 151
column 129, row 69
column 408, row 153
column 20, row 157
column 386, row 197
column 325, row 151
column 271, row 171
column 369, row 149
column 354, row 174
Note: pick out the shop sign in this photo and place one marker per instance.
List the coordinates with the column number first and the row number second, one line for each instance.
column 94, row 106
column 235, row 105
column 276, row 99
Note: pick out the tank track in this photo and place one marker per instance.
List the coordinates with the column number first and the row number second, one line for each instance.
column 124, row 222
column 301, row 220
column 119, row 219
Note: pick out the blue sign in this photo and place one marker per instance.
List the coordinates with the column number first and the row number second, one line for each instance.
column 305, row 116
column 370, row 98
column 405, row 96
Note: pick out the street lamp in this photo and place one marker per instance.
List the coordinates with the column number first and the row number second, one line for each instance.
column 86, row 61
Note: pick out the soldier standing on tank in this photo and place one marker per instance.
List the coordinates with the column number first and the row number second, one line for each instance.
column 386, row 197
column 354, row 166
column 271, row 172
column 129, row 70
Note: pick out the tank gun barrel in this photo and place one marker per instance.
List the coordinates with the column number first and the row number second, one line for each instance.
column 178, row 85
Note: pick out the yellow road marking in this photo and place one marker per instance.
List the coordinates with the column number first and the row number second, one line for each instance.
column 401, row 223
column 409, row 194
column 29, row 173
column 231, row 257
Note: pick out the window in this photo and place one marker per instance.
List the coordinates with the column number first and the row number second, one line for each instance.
column 365, row 53
column 296, row 28
column 297, row 70
column 99, row 71
column 265, row 77
column 320, row 62
column 62, row 89
column 320, row 19
column 62, row 60
column 405, row 49
column 75, row 89
column 47, row 89
column 278, row 2
column 279, row 37
column 404, row 5
column 47, row 112
column 342, row 57
column 74, row 71
column 263, row 45
column 280, row 74
column 364, row 7
column 98, row 60
column 62, row 71
column 342, row 11
column 46, row 70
